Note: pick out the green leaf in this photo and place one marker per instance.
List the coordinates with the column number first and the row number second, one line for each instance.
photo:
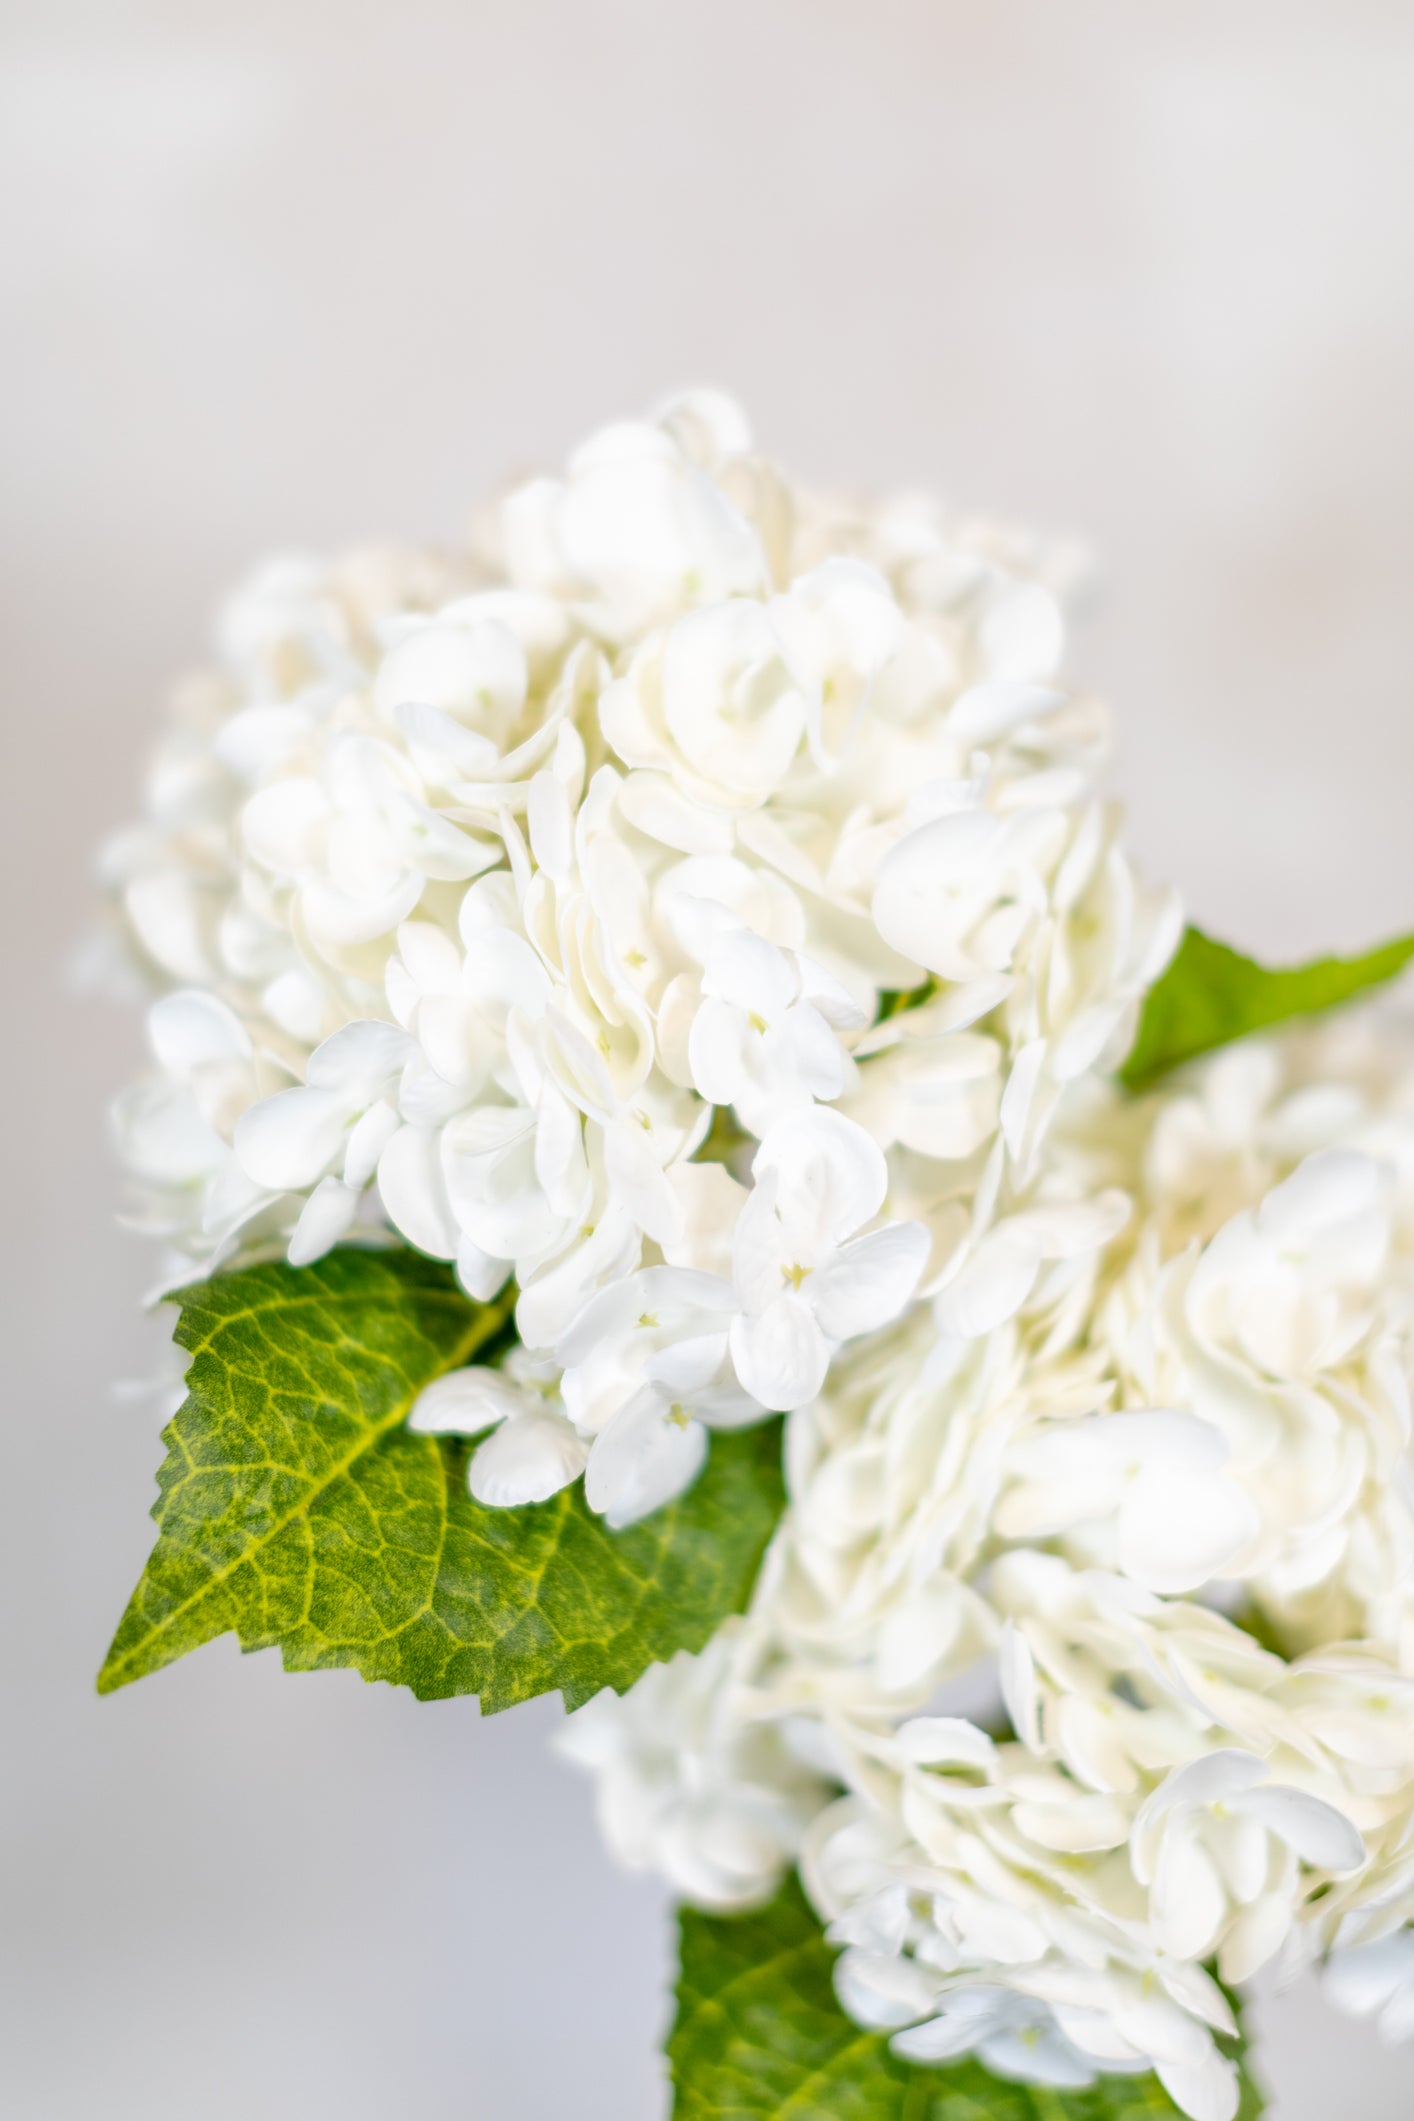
column 760, row 2037
column 295, row 1509
column 1211, row 995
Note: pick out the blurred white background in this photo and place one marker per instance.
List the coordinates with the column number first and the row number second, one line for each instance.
column 283, row 272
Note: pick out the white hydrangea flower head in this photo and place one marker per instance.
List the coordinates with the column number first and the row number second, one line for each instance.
column 695, row 906
column 1079, row 1496
column 497, row 877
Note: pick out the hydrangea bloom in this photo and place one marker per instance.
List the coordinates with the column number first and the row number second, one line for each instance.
column 1167, row 1504
column 693, row 904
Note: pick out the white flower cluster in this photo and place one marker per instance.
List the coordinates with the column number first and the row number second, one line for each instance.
column 693, row 903
column 552, row 906
column 1155, row 1531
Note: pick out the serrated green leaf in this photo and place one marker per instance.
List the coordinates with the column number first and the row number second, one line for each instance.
column 1211, row 995
column 296, row 1510
column 759, row 2036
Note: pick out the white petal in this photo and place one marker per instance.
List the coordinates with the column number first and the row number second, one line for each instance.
column 326, row 1216
column 985, row 712
column 1158, row 1438
column 294, row 1001
column 1075, row 1823
column 886, row 1992
column 1221, row 1774
column 825, row 994
column 677, row 1012
column 189, row 1029
column 715, row 1056
column 648, row 1453
column 688, row 1366
column 1188, row 1902
column 1217, row 1775
column 1330, row 1187
column 283, row 825
column 441, row 746
column 781, row 1355
column 760, row 1254
column 993, row 1283
column 556, row 1295
column 168, row 912
column 709, row 1201
column 934, row 1741
column 475, row 672
column 359, row 1059
column 367, row 1142
column 162, row 1135
column 257, row 741
column 974, row 2011
column 807, row 1047
column 1253, row 1937
column 709, row 660
column 527, row 1459
column 1016, row 1674
column 1019, row 1096
column 831, row 1175
column 464, row 1402
column 560, row 1166
column 1207, row 2090
column 665, row 1292
column 289, row 1140
column 661, row 811
column 1179, row 1528
column 1035, row 2055
column 706, row 423
column 550, row 824
column 336, row 919
column 915, row 1637
column 429, row 956
column 637, row 528
column 413, row 1194
column 639, row 1183
column 936, row 2040
column 1195, row 1991
column 869, row 1280
column 750, row 973
column 480, row 1273
column 1072, row 1229
column 726, row 1406
column 1319, row 1833
column 1364, row 1979
column 912, row 907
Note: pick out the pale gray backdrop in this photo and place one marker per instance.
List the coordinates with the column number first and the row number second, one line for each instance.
column 283, row 272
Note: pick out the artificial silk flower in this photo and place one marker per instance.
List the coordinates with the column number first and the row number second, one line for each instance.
column 666, row 1326
column 809, row 1274
column 764, row 1036
column 646, row 1374
column 530, row 1449
column 692, row 910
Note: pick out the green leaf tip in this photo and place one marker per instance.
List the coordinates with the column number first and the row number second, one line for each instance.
column 760, row 2036
column 1212, row 994
column 296, row 1510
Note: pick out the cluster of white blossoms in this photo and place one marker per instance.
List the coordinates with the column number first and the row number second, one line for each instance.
column 693, row 906
column 1102, row 1618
